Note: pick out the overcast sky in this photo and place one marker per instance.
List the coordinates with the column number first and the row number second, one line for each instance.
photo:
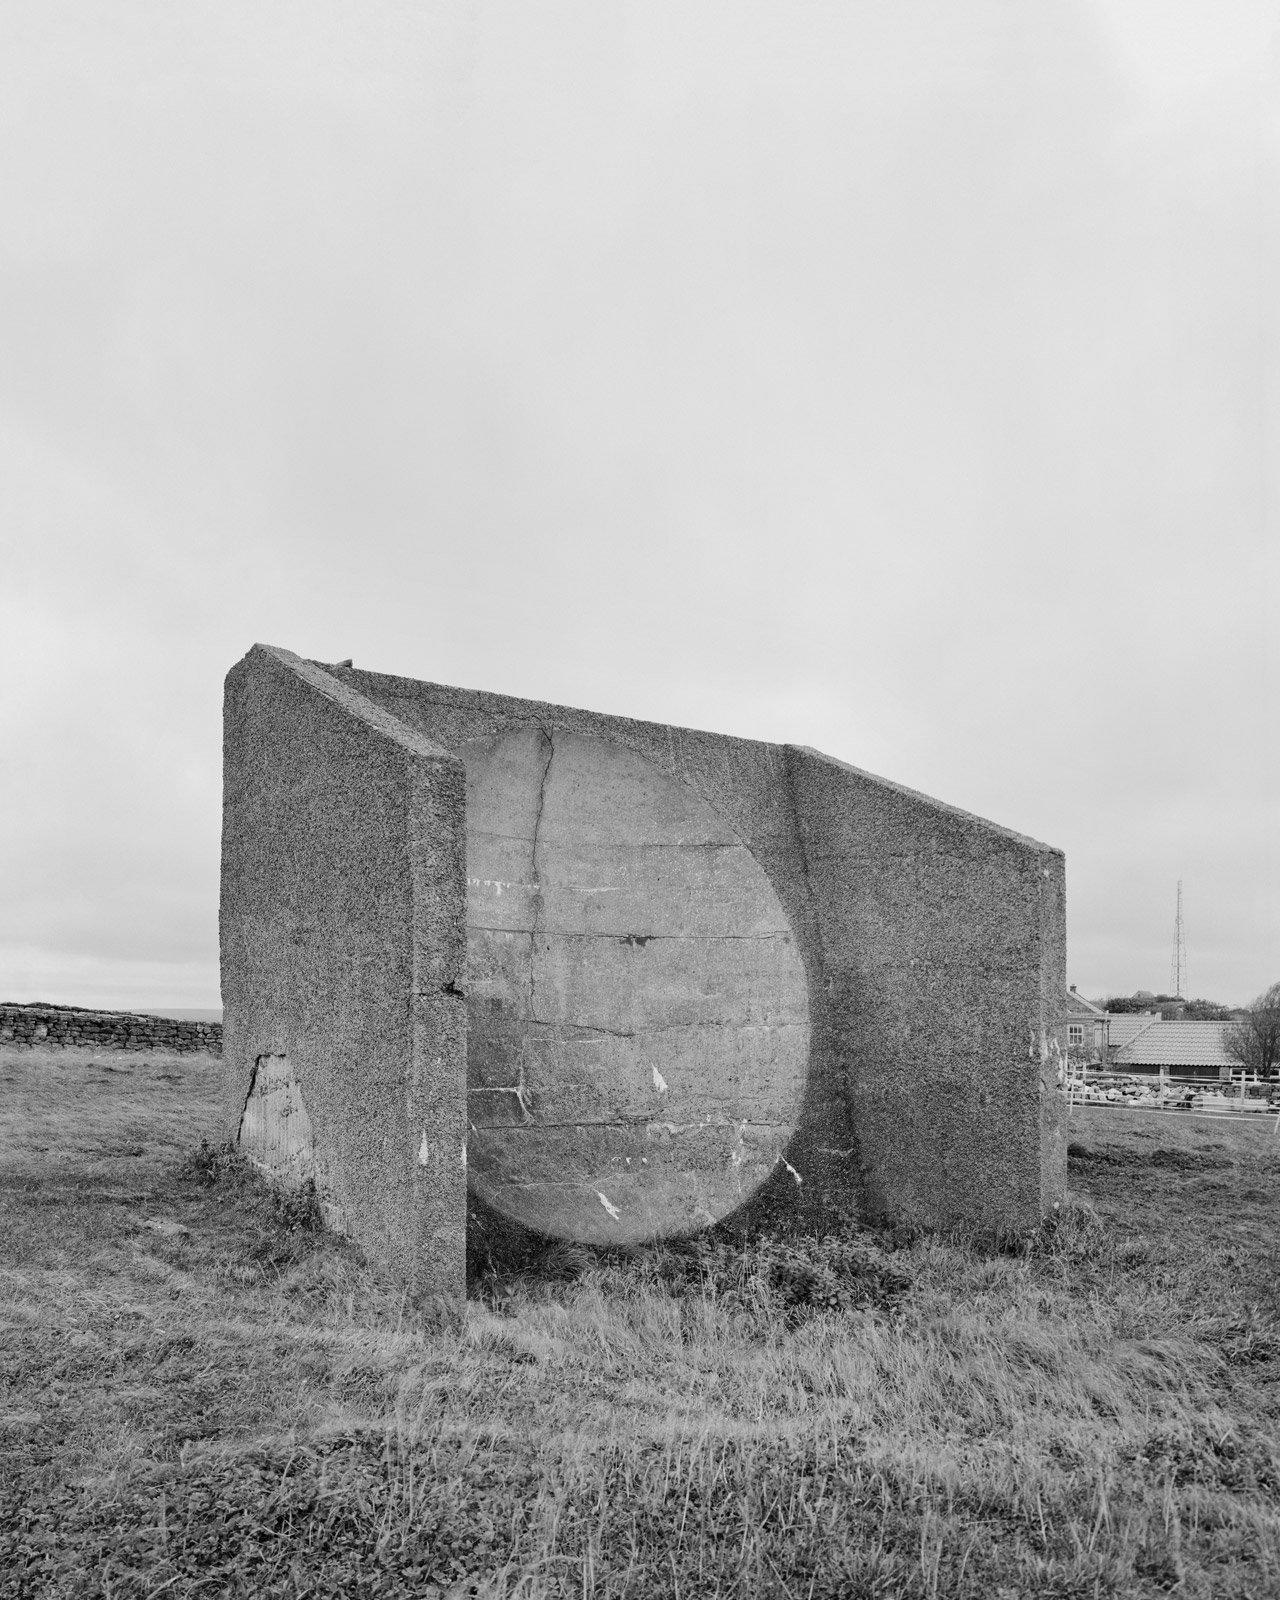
column 898, row 378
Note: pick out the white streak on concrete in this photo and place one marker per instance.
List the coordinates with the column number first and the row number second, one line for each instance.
column 659, row 1082
column 424, row 1150
column 499, row 884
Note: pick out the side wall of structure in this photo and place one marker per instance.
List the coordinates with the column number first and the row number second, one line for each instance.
column 343, row 942
column 943, row 949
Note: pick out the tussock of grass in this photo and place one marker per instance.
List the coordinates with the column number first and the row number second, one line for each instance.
column 245, row 1407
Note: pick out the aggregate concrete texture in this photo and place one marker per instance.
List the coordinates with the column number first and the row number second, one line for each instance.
column 944, row 954
column 695, row 967
column 343, row 936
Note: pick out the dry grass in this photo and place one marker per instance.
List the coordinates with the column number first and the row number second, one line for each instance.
column 246, row 1408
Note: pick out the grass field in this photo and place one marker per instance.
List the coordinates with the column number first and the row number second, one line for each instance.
column 204, row 1396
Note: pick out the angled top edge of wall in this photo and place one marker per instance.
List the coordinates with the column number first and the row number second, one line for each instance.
column 318, row 678
column 330, row 679
column 520, row 705
column 970, row 818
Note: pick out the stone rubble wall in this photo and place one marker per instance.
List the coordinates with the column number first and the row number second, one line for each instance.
column 63, row 1026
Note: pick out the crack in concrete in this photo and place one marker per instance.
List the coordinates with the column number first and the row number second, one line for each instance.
column 632, row 1124
column 253, row 1084
column 536, row 884
column 575, row 1029
column 636, row 844
column 643, row 938
column 572, row 1030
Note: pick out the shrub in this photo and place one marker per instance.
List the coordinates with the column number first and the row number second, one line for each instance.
column 799, row 1277
column 208, row 1164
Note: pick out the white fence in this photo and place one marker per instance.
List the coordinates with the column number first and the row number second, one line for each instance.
column 1166, row 1094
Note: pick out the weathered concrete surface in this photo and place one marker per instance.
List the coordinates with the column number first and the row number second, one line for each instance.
column 744, row 784
column 639, row 1020
column 943, row 941
column 343, row 933
column 690, row 960
column 275, row 1130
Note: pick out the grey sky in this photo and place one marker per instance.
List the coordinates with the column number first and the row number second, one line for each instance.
column 896, row 378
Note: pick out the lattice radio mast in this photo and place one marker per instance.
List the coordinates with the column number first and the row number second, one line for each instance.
column 1179, row 968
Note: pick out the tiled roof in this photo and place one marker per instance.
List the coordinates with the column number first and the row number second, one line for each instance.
column 1076, row 1002
column 1127, row 1026
column 1177, row 1044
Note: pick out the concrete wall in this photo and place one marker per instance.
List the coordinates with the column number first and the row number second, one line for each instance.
column 943, row 947
column 738, row 789
column 343, row 944
column 698, row 969
column 64, row 1026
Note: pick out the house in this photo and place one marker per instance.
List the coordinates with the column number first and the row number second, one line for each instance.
column 1082, row 1029
column 1173, row 1049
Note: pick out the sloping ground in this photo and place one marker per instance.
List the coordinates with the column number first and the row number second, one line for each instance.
column 203, row 1396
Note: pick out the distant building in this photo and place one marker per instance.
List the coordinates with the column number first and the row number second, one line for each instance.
column 1177, row 1049
column 1124, row 1026
column 1082, row 1029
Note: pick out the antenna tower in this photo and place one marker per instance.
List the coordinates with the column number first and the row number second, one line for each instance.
column 1179, row 967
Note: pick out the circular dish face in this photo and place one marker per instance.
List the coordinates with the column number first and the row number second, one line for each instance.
column 637, row 1007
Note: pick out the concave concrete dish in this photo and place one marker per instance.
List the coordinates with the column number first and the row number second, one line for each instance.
column 638, row 1013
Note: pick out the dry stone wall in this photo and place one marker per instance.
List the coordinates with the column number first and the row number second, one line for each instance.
column 62, row 1026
